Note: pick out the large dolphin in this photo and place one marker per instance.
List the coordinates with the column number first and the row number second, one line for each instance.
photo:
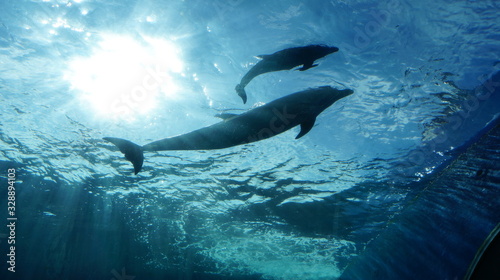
column 284, row 60
column 280, row 115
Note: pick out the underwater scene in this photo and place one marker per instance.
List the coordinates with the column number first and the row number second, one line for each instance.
column 249, row 139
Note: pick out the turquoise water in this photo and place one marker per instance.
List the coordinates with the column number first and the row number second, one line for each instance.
column 423, row 76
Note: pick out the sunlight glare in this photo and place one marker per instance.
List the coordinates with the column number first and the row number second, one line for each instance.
column 125, row 78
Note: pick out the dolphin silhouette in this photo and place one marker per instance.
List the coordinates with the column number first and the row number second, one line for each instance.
column 300, row 108
column 284, row 60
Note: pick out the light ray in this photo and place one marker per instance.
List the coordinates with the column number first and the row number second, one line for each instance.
column 124, row 78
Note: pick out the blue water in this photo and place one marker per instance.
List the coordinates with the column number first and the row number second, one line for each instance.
column 378, row 189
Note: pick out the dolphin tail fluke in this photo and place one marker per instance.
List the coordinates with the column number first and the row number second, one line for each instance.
column 242, row 93
column 132, row 151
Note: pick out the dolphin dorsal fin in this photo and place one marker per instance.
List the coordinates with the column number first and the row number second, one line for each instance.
column 226, row 116
column 306, row 126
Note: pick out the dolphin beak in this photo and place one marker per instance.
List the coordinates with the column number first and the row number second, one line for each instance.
column 348, row 92
column 345, row 93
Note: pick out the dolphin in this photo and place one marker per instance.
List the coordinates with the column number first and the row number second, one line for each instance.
column 284, row 60
column 300, row 108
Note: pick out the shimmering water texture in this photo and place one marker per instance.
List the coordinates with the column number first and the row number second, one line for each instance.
column 398, row 180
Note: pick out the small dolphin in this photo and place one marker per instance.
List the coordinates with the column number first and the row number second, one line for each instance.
column 284, row 60
column 278, row 116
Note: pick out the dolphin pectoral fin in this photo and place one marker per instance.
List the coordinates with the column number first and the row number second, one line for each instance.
column 263, row 56
column 242, row 93
column 132, row 151
column 305, row 127
column 307, row 66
